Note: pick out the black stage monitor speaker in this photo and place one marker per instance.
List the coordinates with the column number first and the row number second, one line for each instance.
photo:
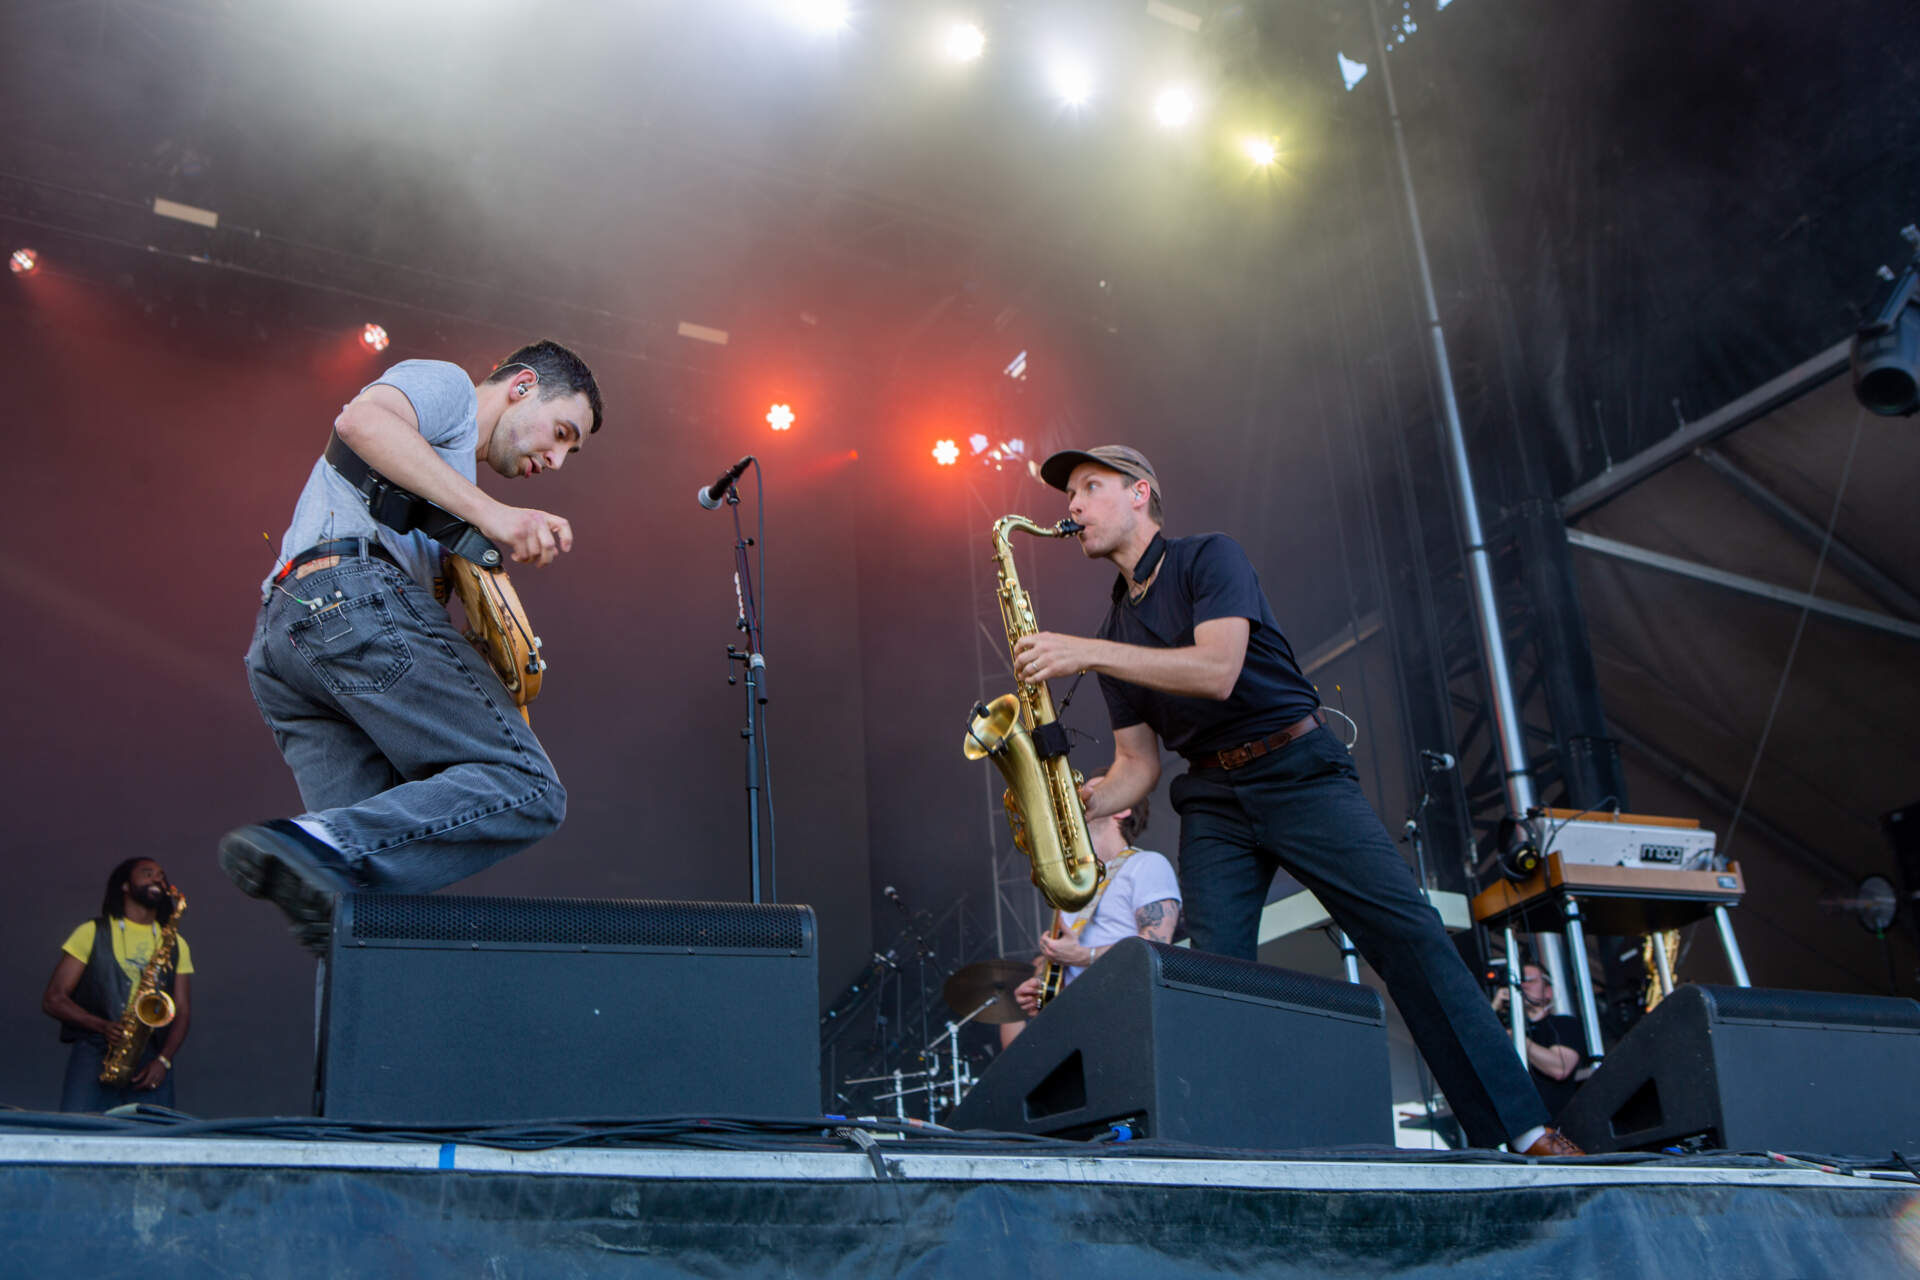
column 440, row 1009
column 1750, row 1069
column 1198, row 1048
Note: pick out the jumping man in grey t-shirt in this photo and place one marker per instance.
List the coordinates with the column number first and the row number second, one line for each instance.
column 415, row 768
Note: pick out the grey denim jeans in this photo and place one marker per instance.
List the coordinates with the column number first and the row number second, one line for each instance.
column 401, row 738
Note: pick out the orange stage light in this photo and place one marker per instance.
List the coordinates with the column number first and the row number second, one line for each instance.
column 946, row 452
column 780, row 417
column 374, row 338
column 24, row 262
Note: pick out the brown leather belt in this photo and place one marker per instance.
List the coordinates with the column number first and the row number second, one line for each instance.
column 1247, row 752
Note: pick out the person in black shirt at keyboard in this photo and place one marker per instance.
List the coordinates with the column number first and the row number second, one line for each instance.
column 1190, row 657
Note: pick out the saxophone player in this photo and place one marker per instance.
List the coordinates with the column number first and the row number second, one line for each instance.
column 1191, row 658
column 100, row 966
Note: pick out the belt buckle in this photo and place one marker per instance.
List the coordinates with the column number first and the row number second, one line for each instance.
column 1234, row 757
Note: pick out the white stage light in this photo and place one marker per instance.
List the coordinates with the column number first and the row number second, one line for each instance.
column 1072, row 81
column 964, row 42
column 1260, row 150
column 1174, row 106
column 820, row 15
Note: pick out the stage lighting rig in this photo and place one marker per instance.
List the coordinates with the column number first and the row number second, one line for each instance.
column 374, row 338
column 780, row 417
column 946, row 452
column 24, row 262
column 1886, row 350
column 1261, row 151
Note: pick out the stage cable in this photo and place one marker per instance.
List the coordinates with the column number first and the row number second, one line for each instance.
column 1799, row 630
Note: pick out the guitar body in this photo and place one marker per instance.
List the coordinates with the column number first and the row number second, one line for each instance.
column 1052, row 976
column 498, row 627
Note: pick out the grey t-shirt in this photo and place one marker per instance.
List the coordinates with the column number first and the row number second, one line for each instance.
column 444, row 403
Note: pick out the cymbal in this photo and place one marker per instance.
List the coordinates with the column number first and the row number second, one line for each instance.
column 974, row 985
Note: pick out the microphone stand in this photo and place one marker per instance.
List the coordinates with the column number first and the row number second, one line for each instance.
column 753, row 664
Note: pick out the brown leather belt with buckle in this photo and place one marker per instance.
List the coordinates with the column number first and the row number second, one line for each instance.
column 1247, row 752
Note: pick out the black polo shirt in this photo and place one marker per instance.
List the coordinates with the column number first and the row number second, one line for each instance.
column 1203, row 577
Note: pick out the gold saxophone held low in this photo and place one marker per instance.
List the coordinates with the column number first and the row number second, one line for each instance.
column 1018, row 731
column 148, row 1007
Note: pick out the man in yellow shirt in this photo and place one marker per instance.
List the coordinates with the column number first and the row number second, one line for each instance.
column 92, row 983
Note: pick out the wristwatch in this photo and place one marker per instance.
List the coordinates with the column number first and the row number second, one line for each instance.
column 165, row 1061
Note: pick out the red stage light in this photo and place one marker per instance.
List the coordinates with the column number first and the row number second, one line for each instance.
column 24, row 262
column 946, row 452
column 374, row 338
column 780, row 417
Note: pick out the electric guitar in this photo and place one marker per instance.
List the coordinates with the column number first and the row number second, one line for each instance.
column 497, row 625
column 1053, row 975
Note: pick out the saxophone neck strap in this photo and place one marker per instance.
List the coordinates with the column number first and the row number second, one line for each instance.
column 1150, row 559
column 406, row 512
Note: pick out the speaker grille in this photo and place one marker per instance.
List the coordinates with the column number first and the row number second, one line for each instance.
column 1265, row 982
column 607, row 922
column 1766, row 1004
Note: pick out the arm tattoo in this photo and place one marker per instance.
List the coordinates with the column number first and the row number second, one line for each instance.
column 1156, row 919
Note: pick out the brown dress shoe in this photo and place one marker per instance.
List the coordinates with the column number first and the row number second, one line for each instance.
column 1553, row 1143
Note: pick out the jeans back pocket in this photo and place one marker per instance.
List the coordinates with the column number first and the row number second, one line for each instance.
column 353, row 646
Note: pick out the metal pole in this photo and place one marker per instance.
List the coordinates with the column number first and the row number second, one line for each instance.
column 1553, row 958
column 1589, row 1013
column 1513, row 752
column 1347, row 955
column 1662, row 966
column 1516, row 1018
column 1734, row 961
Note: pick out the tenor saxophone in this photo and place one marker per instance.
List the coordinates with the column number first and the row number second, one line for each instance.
column 148, row 1007
column 1019, row 732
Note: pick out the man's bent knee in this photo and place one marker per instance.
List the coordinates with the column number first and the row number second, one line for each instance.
column 547, row 810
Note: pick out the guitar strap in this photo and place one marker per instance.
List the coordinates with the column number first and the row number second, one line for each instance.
column 405, row 512
column 1093, row 903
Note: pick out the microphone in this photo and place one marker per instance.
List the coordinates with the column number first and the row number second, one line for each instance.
column 893, row 896
column 711, row 494
column 1438, row 761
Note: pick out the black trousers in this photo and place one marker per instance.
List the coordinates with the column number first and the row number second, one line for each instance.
column 1302, row 808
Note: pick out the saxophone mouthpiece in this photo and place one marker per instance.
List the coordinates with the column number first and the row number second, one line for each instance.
column 1069, row 527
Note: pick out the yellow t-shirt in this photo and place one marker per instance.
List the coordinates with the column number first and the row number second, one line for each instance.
column 133, row 946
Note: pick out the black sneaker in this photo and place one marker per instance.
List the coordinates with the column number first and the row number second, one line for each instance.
column 282, row 863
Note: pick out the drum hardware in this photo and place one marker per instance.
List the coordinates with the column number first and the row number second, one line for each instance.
column 987, row 989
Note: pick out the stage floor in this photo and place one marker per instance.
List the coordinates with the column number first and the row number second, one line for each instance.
column 116, row 1201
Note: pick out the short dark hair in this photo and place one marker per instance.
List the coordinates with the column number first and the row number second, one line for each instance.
column 561, row 373
column 113, row 904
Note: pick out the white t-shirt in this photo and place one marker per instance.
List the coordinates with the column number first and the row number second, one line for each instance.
column 1132, row 882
